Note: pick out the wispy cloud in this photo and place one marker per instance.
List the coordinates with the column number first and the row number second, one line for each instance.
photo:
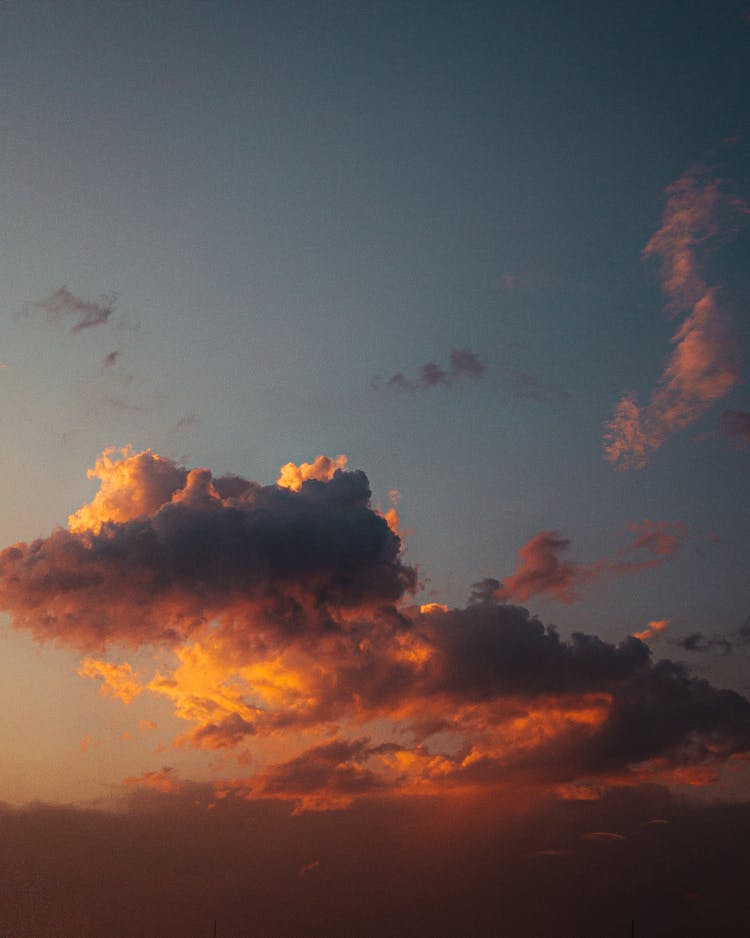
column 86, row 314
column 542, row 569
column 465, row 364
column 725, row 642
column 653, row 630
column 704, row 363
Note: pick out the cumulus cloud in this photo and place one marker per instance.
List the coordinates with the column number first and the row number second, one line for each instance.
column 463, row 364
column 704, row 363
column 322, row 468
column 86, row 314
column 283, row 620
column 161, row 551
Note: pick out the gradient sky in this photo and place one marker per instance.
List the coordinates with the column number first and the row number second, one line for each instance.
column 497, row 255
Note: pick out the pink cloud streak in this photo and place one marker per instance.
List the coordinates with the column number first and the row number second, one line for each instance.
column 704, row 363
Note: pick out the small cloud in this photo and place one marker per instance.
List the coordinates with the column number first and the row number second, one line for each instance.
column 697, row 641
column 110, row 360
column 162, row 780
column 86, row 743
column 723, row 642
column 308, row 868
column 62, row 304
column 188, row 421
column 322, row 468
column 118, row 680
column 580, row 791
column 652, row 630
column 463, row 364
column 696, row 776
column 145, row 726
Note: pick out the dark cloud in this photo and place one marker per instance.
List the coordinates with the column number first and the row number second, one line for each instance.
column 726, row 642
column 111, row 359
column 188, row 420
column 335, row 771
column 463, row 364
column 294, row 557
column 282, row 607
column 62, row 304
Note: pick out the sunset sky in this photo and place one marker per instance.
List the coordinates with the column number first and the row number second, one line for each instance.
column 376, row 436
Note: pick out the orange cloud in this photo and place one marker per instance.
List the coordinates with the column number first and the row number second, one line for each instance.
column 541, row 570
column 132, row 485
column 118, row 680
column 281, row 621
column 661, row 538
column 704, row 364
column 321, row 468
column 697, row 776
column 162, row 781
column 146, row 562
column 654, row 628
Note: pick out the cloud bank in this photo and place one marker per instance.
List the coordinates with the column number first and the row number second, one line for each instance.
column 286, row 611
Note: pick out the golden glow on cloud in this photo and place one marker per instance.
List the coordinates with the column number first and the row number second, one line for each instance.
column 654, row 628
column 288, row 640
column 118, row 680
column 130, row 485
column 322, row 468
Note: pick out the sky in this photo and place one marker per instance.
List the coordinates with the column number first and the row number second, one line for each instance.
column 376, row 434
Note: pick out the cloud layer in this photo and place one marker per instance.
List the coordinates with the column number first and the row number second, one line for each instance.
column 286, row 611
column 172, row 861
